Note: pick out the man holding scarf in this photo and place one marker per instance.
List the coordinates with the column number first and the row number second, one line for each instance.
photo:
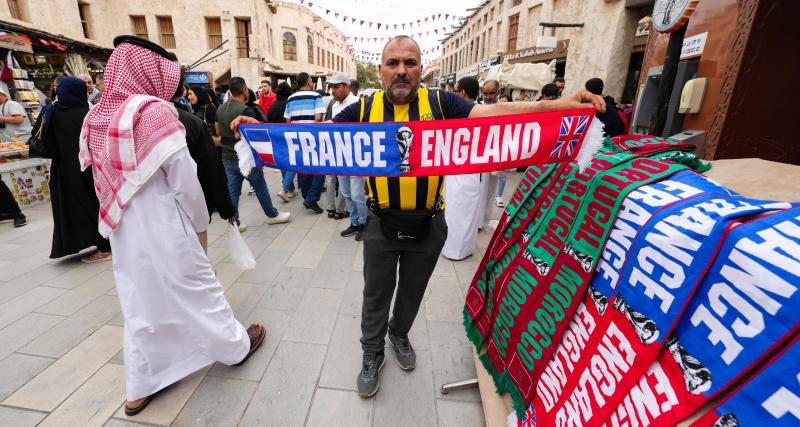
column 412, row 202
column 152, row 207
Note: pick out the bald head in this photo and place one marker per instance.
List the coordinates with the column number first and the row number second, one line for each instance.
column 401, row 69
column 402, row 39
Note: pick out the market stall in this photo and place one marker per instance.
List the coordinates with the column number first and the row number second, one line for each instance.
column 708, row 306
column 27, row 178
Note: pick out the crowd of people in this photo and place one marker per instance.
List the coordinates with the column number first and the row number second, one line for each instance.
column 139, row 173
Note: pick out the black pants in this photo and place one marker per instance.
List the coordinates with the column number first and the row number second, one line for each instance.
column 381, row 259
column 8, row 205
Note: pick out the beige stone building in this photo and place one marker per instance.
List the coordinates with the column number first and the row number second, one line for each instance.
column 606, row 40
column 264, row 37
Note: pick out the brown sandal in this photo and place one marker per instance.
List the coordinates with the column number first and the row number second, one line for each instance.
column 255, row 342
column 133, row 411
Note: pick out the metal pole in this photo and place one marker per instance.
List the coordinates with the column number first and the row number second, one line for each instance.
column 670, row 70
column 460, row 385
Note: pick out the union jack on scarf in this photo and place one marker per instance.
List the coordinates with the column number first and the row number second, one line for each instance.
column 569, row 134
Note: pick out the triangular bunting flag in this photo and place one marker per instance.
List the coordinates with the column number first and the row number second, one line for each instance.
column 379, row 25
column 327, row 11
column 336, row 14
column 362, row 23
column 436, row 30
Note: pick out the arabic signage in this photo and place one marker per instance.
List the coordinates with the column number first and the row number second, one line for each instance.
column 534, row 54
column 693, row 46
column 486, row 63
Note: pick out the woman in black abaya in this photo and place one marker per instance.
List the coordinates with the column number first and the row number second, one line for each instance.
column 74, row 201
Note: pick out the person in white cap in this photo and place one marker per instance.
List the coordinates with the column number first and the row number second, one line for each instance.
column 351, row 188
column 14, row 123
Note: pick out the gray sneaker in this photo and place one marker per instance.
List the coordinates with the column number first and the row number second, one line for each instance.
column 404, row 353
column 369, row 378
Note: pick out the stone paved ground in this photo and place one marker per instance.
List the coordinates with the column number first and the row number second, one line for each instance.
column 61, row 336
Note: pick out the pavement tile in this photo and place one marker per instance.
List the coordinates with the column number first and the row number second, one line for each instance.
column 276, row 322
column 452, row 359
column 268, row 265
column 80, row 273
column 358, row 260
column 59, row 339
column 406, row 398
column 81, row 295
column 343, row 360
column 289, row 239
column 445, row 268
column 162, row 411
column 227, row 273
column 243, row 297
column 343, row 245
column 114, row 422
column 18, row 307
column 93, row 402
column 287, row 289
column 314, row 318
column 17, row 369
column 332, row 271
column 284, row 395
column 19, row 417
column 216, row 402
column 446, row 300
column 48, row 389
column 344, row 408
column 308, row 254
column 27, row 328
column 323, row 230
column 24, row 283
column 460, row 414
column 353, row 294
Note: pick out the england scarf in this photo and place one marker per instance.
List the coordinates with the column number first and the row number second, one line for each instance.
column 423, row 148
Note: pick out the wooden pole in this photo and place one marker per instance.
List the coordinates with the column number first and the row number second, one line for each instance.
column 668, row 73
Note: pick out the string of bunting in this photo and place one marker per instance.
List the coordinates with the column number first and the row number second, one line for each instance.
column 419, row 23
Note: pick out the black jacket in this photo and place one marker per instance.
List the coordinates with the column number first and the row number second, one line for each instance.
column 210, row 171
column 613, row 123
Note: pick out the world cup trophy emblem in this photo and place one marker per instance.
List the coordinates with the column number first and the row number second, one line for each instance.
column 404, row 138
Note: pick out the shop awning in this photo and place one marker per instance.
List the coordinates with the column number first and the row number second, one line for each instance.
column 521, row 76
column 48, row 39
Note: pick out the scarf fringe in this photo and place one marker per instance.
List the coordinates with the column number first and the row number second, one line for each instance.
column 246, row 160
column 591, row 144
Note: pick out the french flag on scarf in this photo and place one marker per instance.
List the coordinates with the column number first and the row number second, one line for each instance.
column 263, row 148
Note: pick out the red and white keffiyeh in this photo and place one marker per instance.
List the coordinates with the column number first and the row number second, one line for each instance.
column 133, row 130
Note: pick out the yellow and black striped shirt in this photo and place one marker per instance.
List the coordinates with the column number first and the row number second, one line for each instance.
column 406, row 193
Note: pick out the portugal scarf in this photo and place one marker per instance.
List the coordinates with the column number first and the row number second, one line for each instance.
column 423, row 148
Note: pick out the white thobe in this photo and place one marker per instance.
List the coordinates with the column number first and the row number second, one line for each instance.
column 463, row 214
column 177, row 319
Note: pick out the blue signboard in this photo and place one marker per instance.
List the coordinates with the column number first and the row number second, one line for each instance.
column 197, row 78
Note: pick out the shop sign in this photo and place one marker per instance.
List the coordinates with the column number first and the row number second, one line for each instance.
column 486, row 63
column 534, row 54
column 693, row 46
column 197, row 78
column 16, row 42
column 451, row 79
column 471, row 71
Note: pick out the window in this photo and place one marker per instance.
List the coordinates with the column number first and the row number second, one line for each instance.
column 16, row 9
column 310, row 43
column 515, row 2
column 319, row 57
column 243, row 37
column 139, row 27
column 165, row 31
column 289, row 47
column 513, row 25
column 86, row 20
column 214, row 32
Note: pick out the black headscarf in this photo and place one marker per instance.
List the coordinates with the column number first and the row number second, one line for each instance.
column 71, row 93
column 201, row 95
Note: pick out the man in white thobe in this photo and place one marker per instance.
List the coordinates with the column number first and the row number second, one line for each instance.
column 177, row 319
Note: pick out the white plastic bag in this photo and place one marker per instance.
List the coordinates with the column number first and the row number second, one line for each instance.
column 239, row 253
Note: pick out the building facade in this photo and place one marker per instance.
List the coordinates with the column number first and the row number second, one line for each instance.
column 253, row 39
column 595, row 38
